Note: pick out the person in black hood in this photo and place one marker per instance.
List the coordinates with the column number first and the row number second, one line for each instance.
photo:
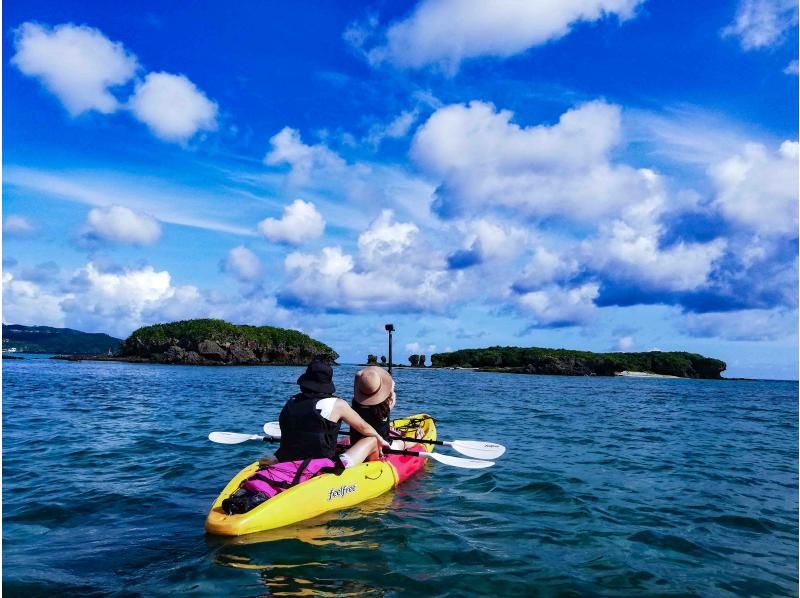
column 310, row 422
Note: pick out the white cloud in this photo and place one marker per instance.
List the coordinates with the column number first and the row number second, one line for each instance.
column 243, row 263
column 493, row 240
column 301, row 222
column 791, row 68
column 347, row 191
column 119, row 224
column 197, row 207
column 386, row 240
column 485, row 161
column 623, row 251
column 76, row 63
column 556, row 306
column 742, row 325
column 399, row 127
column 446, row 32
column 416, row 348
column 757, row 189
column 548, row 266
column 624, row 343
column 288, row 148
column 120, row 301
column 762, row 23
column 27, row 303
column 15, row 225
column 173, row 107
column 387, row 274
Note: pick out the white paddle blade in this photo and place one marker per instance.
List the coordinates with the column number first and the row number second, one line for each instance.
column 478, row 449
column 231, row 437
column 458, row 461
column 272, row 429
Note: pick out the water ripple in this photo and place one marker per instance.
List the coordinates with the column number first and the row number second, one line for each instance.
column 610, row 487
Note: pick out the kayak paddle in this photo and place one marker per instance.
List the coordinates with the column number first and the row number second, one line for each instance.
column 446, row 459
column 471, row 448
column 236, row 438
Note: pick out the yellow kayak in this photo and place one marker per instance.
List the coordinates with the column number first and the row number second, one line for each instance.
column 325, row 492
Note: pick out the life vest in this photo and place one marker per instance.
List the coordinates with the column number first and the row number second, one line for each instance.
column 368, row 415
column 305, row 434
column 274, row 479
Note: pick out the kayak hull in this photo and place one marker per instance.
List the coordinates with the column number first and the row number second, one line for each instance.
column 326, row 492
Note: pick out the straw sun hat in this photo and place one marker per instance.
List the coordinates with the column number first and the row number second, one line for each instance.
column 373, row 385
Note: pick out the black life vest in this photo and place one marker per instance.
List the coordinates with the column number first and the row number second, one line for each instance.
column 368, row 415
column 305, row 434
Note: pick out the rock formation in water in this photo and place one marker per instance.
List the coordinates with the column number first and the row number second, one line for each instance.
column 215, row 342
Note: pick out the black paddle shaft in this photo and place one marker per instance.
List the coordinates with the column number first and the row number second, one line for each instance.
column 420, row 440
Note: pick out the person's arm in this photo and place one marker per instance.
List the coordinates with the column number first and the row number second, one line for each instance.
column 346, row 413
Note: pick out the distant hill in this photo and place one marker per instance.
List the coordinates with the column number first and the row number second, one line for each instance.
column 216, row 342
column 62, row 341
column 564, row 362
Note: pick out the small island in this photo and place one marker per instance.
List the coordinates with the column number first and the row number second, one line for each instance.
column 216, row 342
column 565, row 362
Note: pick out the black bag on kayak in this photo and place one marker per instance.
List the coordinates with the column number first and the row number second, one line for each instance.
column 242, row 501
column 274, row 479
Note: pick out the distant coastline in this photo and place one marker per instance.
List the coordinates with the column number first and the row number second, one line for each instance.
column 566, row 362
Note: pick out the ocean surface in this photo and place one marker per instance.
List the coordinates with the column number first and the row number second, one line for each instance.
column 610, row 487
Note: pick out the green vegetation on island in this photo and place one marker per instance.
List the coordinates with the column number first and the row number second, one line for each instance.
column 63, row 341
column 207, row 341
column 565, row 362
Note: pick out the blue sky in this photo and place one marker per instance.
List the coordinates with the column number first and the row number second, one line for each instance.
column 607, row 175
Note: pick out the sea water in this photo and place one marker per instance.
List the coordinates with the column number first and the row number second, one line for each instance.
column 610, row 487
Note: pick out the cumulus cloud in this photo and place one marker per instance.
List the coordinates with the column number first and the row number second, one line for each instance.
column 173, row 107
column 446, row 32
column 15, row 225
column 485, row 240
column 625, row 252
column 76, row 63
column 762, row 23
column 120, row 301
column 27, row 303
column 386, row 274
column 757, row 189
column 386, row 240
column 315, row 169
column 301, row 222
column 791, row 68
column 485, row 161
column 547, row 266
column 118, row 224
column 555, row 306
column 243, row 264
column 742, row 325
column 288, row 148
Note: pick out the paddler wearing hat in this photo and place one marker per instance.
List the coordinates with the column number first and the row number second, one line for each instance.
column 310, row 422
column 373, row 399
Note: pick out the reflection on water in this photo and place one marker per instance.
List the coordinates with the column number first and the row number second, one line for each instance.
column 340, row 551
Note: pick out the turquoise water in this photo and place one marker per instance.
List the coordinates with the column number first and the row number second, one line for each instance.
column 610, row 487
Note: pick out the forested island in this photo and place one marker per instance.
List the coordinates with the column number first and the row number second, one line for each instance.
column 216, row 342
column 565, row 362
column 65, row 341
